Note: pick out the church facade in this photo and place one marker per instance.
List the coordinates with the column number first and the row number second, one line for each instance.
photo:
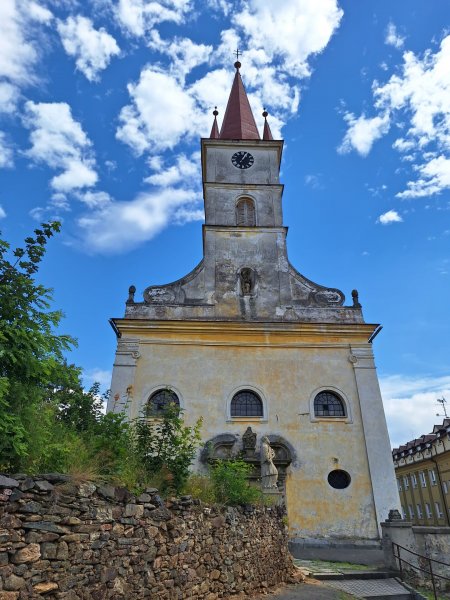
column 256, row 349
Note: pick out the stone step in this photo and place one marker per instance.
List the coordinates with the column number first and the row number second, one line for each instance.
column 334, row 575
column 373, row 589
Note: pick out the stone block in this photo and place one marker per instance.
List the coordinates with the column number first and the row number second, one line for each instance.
column 30, row 553
column 14, row 583
column 133, row 510
column 45, row 587
column 8, row 482
column 44, row 486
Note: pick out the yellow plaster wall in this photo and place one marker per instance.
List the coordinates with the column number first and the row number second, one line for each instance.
column 205, row 364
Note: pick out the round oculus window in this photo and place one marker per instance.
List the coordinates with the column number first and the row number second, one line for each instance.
column 339, row 479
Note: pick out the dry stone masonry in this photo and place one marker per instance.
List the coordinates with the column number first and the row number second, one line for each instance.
column 69, row 540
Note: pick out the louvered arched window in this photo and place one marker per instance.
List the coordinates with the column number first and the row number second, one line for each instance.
column 246, row 404
column 328, row 404
column 245, row 213
column 160, row 400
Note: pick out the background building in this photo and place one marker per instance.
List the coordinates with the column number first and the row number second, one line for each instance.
column 256, row 349
column 422, row 467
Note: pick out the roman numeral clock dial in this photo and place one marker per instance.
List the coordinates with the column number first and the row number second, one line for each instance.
column 242, row 159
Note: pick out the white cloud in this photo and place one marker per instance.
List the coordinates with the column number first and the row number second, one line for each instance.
column 9, row 95
column 95, row 199
column 6, row 152
column 434, row 178
column 411, row 406
column 291, row 30
column 417, row 98
column 2, row 212
column 92, row 48
column 185, row 171
column 101, row 376
column 391, row 216
column 392, row 37
column 162, row 112
column 363, row 132
column 19, row 50
column 185, row 54
column 121, row 226
column 138, row 17
column 60, row 142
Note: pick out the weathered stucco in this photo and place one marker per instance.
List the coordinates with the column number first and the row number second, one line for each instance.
column 245, row 318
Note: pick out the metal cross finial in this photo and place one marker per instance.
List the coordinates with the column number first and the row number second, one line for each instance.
column 238, row 53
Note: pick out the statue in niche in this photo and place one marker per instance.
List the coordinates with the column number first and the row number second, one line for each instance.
column 249, row 442
column 246, row 276
column 269, row 472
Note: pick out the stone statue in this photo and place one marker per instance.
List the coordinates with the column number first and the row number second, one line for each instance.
column 249, row 442
column 269, row 472
column 246, row 281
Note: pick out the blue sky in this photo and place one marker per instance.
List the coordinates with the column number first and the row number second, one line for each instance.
column 102, row 105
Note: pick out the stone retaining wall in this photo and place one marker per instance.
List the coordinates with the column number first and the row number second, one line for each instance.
column 76, row 541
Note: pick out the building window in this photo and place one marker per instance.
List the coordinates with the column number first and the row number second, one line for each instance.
column 159, row 401
column 423, row 481
column 328, row 404
column 445, row 486
column 414, row 480
column 439, row 512
column 403, row 512
column 419, row 511
column 399, row 485
column 405, row 482
column 246, row 404
column 411, row 511
column 339, row 479
column 245, row 213
column 432, row 477
column 428, row 511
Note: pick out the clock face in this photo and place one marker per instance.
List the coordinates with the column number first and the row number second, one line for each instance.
column 242, row 159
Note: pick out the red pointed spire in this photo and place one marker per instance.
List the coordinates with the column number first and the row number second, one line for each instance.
column 215, row 128
column 267, row 134
column 238, row 122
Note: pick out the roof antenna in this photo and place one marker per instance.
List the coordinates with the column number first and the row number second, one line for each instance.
column 442, row 401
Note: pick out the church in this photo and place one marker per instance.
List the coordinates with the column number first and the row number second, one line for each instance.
column 255, row 348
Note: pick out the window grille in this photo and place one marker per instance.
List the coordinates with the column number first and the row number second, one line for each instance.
column 327, row 404
column 411, row 511
column 406, row 482
column 414, row 480
column 245, row 213
column 428, row 511
column 419, row 511
column 246, row 404
column 423, row 481
column 160, row 400
column 432, row 477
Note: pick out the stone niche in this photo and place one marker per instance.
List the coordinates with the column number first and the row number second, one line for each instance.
column 228, row 446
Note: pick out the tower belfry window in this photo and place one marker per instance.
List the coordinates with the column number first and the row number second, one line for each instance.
column 245, row 213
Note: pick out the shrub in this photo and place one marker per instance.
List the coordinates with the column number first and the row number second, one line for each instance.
column 231, row 485
column 165, row 444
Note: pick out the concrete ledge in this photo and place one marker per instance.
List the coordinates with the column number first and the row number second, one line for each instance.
column 364, row 552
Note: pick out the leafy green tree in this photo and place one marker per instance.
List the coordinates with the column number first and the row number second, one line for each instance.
column 32, row 361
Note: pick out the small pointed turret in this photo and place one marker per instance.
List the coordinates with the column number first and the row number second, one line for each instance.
column 215, row 128
column 238, row 122
column 267, row 134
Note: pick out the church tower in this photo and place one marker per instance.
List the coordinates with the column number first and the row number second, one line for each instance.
column 257, row 349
